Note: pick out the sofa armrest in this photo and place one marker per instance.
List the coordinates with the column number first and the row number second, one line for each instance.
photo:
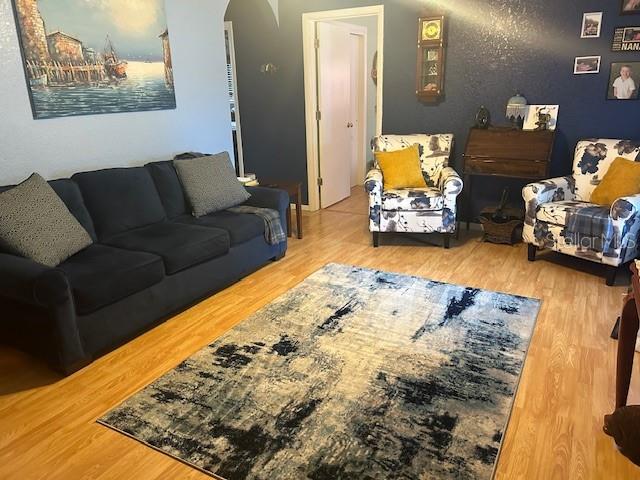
column 30, row 282
column 373, row 186
column 545, row 191
column 625, row 207
column 27, row 282
column 450, row 183
column 272, row 198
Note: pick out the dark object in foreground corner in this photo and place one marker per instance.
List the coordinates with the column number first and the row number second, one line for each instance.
column 624, row 426
column 624, row 423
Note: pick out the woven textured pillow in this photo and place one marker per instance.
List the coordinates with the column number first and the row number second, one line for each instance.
column 210, row 183
column 35, row 223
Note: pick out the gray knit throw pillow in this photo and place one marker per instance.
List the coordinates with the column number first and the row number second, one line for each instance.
column 35, row 223
column 210, row 183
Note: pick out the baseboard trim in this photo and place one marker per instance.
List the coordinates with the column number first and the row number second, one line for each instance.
column 305, row 208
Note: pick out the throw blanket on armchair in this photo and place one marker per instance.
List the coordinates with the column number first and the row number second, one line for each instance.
column 273, row 232
column 592, row 225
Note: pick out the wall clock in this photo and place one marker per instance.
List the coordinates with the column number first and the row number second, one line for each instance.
column 431, row 57
column 431, row 30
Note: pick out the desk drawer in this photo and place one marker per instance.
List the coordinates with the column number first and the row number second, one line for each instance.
column 505, row 167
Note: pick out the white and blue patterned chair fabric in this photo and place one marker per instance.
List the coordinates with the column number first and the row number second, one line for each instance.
column 415, row 210
column 559, row 215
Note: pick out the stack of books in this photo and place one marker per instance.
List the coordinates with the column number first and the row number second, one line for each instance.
column 249, row 180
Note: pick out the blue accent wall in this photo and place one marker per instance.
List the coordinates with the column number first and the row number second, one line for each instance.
column 495, row 48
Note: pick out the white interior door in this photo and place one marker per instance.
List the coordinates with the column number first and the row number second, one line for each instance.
column 334, row 92
column 357, row 122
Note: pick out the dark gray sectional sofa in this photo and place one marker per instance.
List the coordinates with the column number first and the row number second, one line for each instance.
column 151, row 259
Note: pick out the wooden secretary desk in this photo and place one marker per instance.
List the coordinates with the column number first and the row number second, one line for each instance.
column 505, row 152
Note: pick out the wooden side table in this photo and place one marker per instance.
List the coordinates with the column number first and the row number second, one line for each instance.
column 294, row 189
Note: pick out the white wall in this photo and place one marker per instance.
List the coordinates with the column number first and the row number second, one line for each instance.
column 59, row 147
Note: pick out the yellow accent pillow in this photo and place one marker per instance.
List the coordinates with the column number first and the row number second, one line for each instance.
column 621, row 180
column 401, row 168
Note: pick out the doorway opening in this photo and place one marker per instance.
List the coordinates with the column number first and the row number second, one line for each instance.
column 343, row 65
column 232, row 85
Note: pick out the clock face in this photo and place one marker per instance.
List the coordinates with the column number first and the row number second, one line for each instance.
column 431, row 30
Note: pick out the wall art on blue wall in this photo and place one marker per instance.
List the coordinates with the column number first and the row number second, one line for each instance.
column 626, row 39
column 584, row 65
column 630, row 7
column 591, row 25
column 623, row 81
column 87, row 57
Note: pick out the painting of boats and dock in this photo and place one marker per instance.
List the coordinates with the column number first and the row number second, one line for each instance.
column 89, row 57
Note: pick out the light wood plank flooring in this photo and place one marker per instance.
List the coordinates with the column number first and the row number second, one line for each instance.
column 47, row 423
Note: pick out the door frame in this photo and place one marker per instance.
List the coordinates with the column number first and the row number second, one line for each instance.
column 228, row 27
column 309, row 21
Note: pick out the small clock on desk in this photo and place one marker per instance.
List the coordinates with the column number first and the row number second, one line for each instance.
column 431, row 53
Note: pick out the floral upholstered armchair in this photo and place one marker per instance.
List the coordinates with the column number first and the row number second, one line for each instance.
column 415, row 210
column 560, row 216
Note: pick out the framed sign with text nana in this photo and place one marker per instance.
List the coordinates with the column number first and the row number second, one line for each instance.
column 626, row 39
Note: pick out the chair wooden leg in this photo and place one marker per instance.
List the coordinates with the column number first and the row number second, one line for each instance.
column 531, row 252
column 446, row 237
column 376, row 239
column 611, row 275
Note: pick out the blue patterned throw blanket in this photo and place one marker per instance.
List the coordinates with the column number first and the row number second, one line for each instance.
column 273, row 231
column 594, row 225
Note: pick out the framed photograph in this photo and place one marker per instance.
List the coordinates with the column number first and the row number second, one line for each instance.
column 626, row 39
column 630, row 7
column 623, row 81
column 532, row 117
column 584, row 65
column 591, row 25
column 90, row 57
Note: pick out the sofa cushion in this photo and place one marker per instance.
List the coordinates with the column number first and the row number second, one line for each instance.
column 412, row 199
column 101, row 275
column 241, row 227
column 35, row 223
column 180, row 246
column 169, row 187
column 210, row 183
column 69, row 192
column 120, row 199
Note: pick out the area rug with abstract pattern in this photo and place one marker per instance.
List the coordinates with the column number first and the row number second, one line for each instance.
column 352, row 374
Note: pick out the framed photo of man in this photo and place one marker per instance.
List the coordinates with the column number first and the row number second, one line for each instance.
column 630, row 7
column 624, row 81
